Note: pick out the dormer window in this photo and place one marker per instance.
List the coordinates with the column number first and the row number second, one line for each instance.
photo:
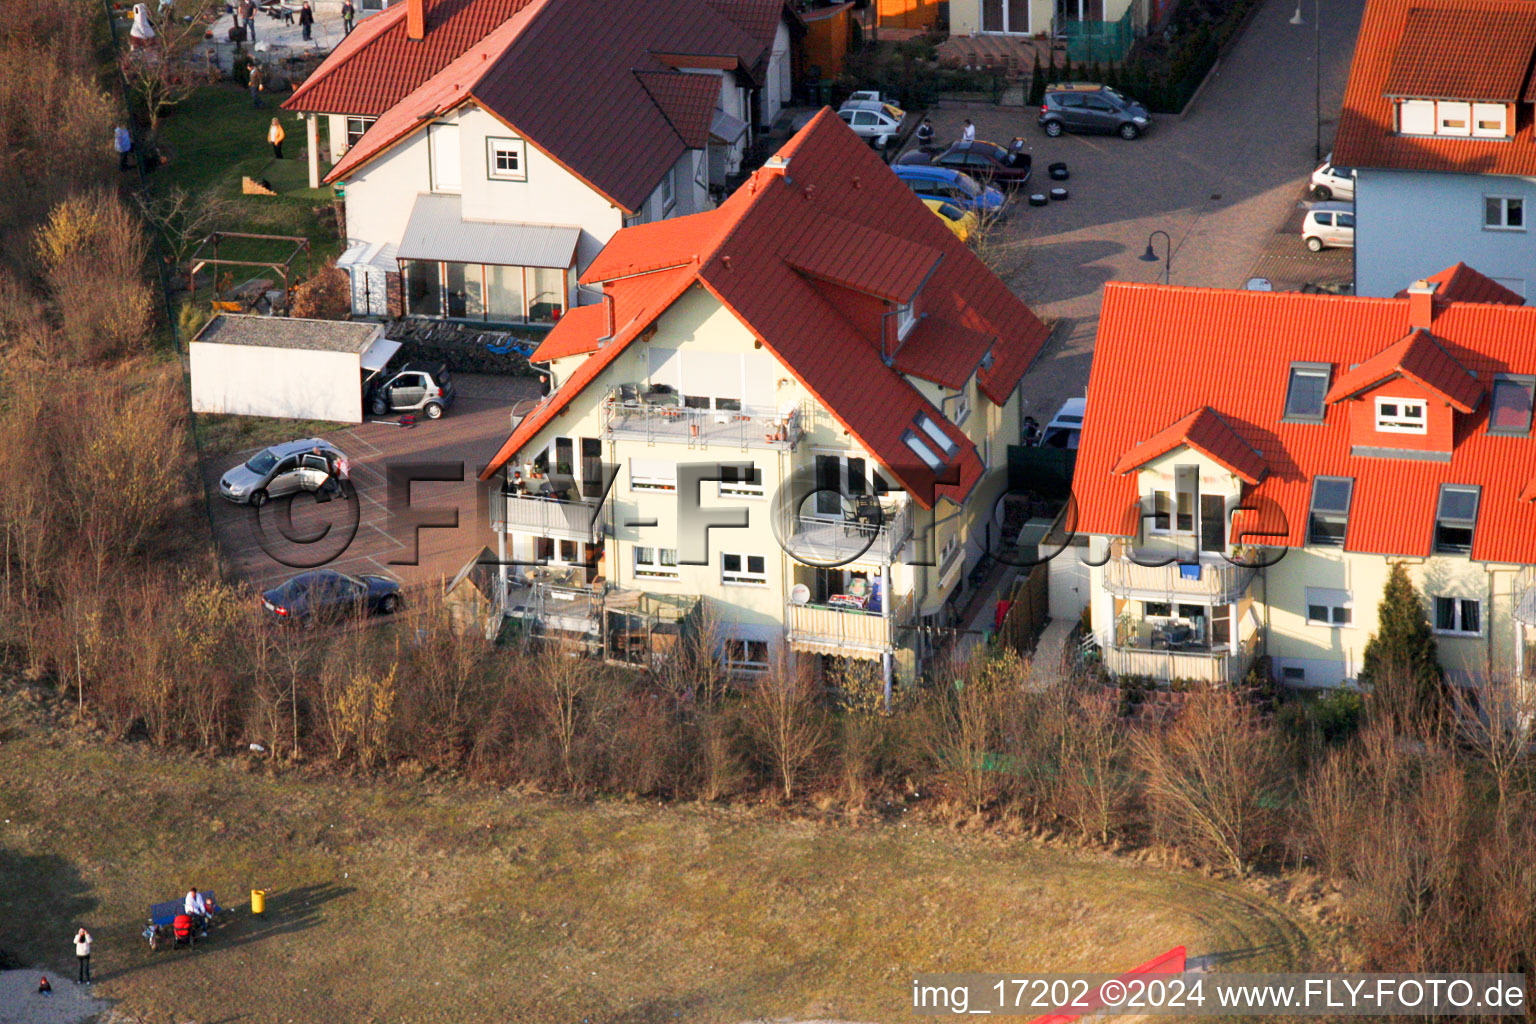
column 1454, row 118
column 1401, row 416
column 906, row 319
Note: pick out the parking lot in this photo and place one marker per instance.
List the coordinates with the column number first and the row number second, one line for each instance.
column 367, row 536
column 1223, row 182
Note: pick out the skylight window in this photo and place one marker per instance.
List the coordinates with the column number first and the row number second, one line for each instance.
column 936, row 432
column 1510, row 411
column 1304, row 394
column 1330, row 511
column 1456, row 518
column 922, row 451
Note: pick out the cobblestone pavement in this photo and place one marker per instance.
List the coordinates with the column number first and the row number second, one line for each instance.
column 1220, row 182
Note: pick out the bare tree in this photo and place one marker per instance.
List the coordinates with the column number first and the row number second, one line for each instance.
column 183, row 218
column 1498, row 730
column 161, row 75
column 783, row 714
column 1095, row 782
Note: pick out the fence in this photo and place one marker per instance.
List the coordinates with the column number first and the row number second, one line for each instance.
column 1029, row 611
column 1099, row 40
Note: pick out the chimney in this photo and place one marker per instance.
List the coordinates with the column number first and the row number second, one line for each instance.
column 416, row 19
column 1421, row 305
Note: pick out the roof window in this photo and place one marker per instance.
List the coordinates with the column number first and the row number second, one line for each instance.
column 922, row 451
column 1510, row 411
column 933, row 430
column 1304, row 393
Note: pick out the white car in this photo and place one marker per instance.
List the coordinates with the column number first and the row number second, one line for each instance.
column 877, row 123
column 1333, row 182
column 1329, row 225
column 1066, row 427
column 871, row 96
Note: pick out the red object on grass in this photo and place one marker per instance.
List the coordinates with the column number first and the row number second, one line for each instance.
column 1171, row 962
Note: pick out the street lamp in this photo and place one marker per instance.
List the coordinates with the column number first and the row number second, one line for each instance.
column 1317, row 74
column 1151, row 257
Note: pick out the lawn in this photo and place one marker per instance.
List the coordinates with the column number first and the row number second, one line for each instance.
column 408, row 900
column 226, row 435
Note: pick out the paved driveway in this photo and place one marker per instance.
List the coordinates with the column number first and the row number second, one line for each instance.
column 1220, row 182
column 365, row 537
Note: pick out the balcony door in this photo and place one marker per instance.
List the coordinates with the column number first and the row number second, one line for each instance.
column 1005, row 16
column 1213, row 523
column 838, row 478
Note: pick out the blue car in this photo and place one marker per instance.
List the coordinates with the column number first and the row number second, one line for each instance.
column 951, row 186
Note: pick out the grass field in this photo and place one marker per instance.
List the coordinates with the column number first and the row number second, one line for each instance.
column 409, row 901
column 225, row 435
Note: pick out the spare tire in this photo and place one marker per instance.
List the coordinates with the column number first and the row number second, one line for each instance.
column 1038, row 199
column 1058, row 193
column 1058, row 171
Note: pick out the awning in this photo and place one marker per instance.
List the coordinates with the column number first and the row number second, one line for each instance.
column 725, row 128
column 436, row 231
column 377, row 255
column 378, row 354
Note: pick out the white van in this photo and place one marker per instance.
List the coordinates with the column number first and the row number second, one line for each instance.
column 1066, row 427
column 1329, row 225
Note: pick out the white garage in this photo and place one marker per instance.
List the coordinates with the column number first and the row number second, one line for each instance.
column 285, row 367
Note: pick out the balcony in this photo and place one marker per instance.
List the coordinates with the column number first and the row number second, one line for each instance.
column 845, row 631
column 1207, row 580
column 1200, row 662
column 661, row 418
column 545, row 516
column 875, row 539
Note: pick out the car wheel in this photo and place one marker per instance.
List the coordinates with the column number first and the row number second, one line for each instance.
column 433, row 410
column 1315, row 244
column 1322, row 192
column 1129, row 132
column 380, row 407
column 258, row 499
column 1053, row 128
column 389, row 604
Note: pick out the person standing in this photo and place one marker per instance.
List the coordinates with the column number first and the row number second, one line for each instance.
column 257, row 83
column 925, row 134
column 276, row 135
column 348, row 13
column 122, row 141
column 247, row 14
column 83, row 955
column 306, row 19
column 968, row 131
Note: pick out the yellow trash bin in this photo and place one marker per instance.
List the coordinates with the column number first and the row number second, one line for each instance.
column 258, row 901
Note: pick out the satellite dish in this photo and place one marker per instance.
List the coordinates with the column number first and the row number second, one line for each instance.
column 799, row 594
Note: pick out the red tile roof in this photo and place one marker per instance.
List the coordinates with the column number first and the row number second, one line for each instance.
column 687, row 101
column 1160, row 350
column 1463, row 53
column 588, row 110
column 1206, row 432
column 745, row 254
column 1421, row 359
column 757, row 18
column 839, row 251
column 1366, row 123
column 1463, row 284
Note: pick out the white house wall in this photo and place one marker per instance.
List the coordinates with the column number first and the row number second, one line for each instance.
column 249, row 380
column 1411, row 224
column 779, row 78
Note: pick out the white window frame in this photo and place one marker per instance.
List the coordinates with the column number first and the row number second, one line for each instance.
column 1416, row 117
column 1399, row 422
column 1482, row 112
column 494, row 147
column 435, row 132
column 744, row 576
column 1453, row 110
column 739, row 489
column 1504, row 207
column 647, row 479
column 906, row 318
column 936, row 436
column 363, row 124
column 654, row 563
column 962, row 407
column 745, row 663
column 1458, row 608
column 922, row 451
column 1333, row 602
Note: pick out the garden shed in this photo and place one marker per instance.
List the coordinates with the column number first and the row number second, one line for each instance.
column 285, row 366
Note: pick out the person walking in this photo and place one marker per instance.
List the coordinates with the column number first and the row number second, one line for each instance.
column 968, row 131
column 276, row 135
column 306, row 20
column 122, row 141
column 257, row 83
column 348, row 13
column 247, row 10
column 83, row 956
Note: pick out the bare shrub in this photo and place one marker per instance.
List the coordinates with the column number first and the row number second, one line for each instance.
column 1095, row 779
column 968, row 723
column 784, row 719
column 162, row 75
column 863, row 729
column 92, row 250
column 1497, row 730
column 183, row 218
column 1212, row 781
column 577, row 703
column 1333, row 810
column 325, row 296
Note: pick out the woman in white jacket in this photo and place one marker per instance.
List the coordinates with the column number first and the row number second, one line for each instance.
column 83, row 955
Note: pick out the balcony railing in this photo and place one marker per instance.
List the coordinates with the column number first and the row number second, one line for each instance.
column 850, row 632
column 828, row 541
column 1200, row 664
column 547, row 517
column 1208, row 580
column 625, row 416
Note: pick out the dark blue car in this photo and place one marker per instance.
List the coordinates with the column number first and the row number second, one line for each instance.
column 325, row 594
column 951, row 186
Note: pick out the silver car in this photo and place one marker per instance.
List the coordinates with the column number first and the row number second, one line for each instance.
column 1329, row 225
column 877, row 123
column 286, row 468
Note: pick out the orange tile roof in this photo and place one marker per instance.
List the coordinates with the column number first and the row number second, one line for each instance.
column 1206, row 432
column 1463, row 53
column 1463, row 284
column 1366, row 123
column 746, row 254
column 1162, row 349
column 1421, row 359
column 600, row 112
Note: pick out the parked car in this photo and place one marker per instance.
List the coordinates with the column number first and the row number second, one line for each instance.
column 1329, row 225
column 877, row 123
column 325, row 594
column 415, row 386
column 1090, row 107
column 1066, row 427
column 871, row 96
column 957, row 187
column 286, row 468
column 1332, row 182
column 987, row 162
column 961, row 222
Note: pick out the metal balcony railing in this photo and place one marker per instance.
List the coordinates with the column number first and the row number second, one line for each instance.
column 656, row 421
column 548, row 517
